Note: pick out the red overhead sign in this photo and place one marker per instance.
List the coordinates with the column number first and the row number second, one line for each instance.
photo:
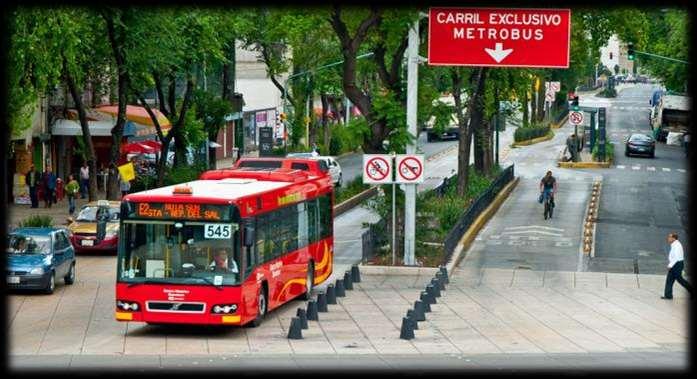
column 499, row 37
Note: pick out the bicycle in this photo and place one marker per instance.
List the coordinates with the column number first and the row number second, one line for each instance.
column 549, row 207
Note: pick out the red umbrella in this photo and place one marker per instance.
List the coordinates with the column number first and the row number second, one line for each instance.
column 137, row 148
column 153, row 144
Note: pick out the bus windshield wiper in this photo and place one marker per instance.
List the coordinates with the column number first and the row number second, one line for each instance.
column 217, row 286
column 144, row 282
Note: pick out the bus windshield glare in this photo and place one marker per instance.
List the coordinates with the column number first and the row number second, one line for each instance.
column 179, row 252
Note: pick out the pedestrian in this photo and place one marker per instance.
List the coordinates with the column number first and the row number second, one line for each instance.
column 84, row 179
column 49, row 186
column 72, row 189
column 125, row 186
column 675, row 266
column 686, row 143
column 33, row 179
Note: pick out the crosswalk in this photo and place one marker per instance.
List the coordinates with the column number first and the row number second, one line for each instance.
column 630, row 108
column 640, row 167
column 560, row 176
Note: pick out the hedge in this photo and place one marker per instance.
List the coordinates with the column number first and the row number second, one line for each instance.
column 528, row 133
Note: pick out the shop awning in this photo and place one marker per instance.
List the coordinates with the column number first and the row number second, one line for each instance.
column 64, row 127
column 138, row 148
column 138, row 122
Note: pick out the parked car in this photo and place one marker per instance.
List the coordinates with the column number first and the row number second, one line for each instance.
column 37, row 257
column 640, row 144
column 451, row 133
column 331, row 163
column 84, row 229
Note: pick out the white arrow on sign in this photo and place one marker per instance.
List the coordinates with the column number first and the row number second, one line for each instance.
column 499, row 53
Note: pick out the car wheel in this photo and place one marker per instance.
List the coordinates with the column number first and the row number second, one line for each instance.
column 626, row 153
column 261, row 308
column 309, row 279
column 51, row 286
column 70, row 278
column 653, row 154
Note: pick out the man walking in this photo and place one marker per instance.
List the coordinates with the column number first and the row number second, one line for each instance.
column 84, row 179
column 675, row 267
column 49, row 184
column 72, row 189
column 33, row 179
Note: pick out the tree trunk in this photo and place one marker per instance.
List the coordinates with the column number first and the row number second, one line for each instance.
column 541, row 101
column 86, row 135
column 477, row 122
column 526, row 111
column 325, row 126
column 116, row 42
column 177, row 131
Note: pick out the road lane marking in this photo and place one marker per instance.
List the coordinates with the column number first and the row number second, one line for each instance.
column 651, row 168
column 532, row 227
column 681, row 170
column 636, row 167
column 621, row 167
column 665, row 169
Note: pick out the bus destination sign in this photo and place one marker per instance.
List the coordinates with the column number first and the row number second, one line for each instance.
column 178, row 211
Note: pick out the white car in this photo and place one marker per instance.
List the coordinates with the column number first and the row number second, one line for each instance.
column 332, row 164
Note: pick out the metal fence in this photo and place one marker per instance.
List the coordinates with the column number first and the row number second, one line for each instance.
column 562, row 112
column 473, row 211
column 373, row 238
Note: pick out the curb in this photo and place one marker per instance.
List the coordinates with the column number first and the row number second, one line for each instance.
column 397, row 270
column 605, row 164
column 533, row 141
column 479, row 222
column 561, row 122
column 352, row 202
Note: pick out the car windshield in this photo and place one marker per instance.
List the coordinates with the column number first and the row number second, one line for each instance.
column 640, row 137
column 90, row 213
column 182, row 252
column 21, row 244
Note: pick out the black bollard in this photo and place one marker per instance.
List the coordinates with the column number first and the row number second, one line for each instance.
column 412, row 317
column 419, row 311
column 407, row 331
column 436, row 287
column 441, row 281
column 431, row 289
column 426, row 301
column 331, row 294
column 445, row 274
column 303, row 318
column 312, row 311
column 340, row 290
column 348, row 283
column 355, row 274
column 322, row 302
column 295, row 330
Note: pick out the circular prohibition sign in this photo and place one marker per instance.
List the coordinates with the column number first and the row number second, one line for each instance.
column 576, row 118
column 410, row 168
column 377, row 168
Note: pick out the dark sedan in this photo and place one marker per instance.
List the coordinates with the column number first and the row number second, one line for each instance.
column 640, row 144
column 451, row 133
column 37, row 257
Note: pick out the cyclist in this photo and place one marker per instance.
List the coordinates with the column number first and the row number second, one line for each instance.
column 548, row 187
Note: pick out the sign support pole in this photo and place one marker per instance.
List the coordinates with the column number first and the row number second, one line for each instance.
column 394, row 225
column 410, row 189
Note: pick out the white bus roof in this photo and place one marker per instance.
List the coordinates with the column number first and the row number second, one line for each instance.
column 227, row 189
column 676, row 102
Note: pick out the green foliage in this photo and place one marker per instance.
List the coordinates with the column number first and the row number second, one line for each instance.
column 345, row 138
column 349, row 190
column 530, row 132
column 607, row 92
column 211, row 111
column 609, row 151
column 183, row 174
column 37, row 221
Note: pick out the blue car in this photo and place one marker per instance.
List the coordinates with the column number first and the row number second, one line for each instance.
column 37, row 257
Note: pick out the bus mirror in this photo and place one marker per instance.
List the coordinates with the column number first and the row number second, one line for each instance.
column 249, row 237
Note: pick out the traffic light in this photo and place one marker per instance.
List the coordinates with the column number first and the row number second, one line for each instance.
column 630, row 51
column 574, row 103
column 283, row 116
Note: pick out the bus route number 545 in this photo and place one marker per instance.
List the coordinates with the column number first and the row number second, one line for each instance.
column 217, row 231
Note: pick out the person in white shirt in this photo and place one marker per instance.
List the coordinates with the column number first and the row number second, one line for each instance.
column 675, row 267
column 84, row 179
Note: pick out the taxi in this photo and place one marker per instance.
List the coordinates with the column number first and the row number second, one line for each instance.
column 96, row 227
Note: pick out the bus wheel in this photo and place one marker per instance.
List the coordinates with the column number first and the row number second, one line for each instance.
column 309, row 281
column 261, row 307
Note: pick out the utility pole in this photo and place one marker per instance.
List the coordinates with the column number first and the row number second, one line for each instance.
column 410, row 189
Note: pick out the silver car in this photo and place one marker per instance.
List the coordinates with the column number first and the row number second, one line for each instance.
column 333, row 164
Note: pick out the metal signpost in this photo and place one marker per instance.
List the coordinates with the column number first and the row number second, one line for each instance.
column 601, row 134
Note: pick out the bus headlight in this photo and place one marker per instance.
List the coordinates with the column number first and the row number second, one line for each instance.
column 224, row 308
column 127, row 305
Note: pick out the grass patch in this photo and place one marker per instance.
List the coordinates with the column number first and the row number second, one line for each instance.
column 349, row 190
column 37, row 221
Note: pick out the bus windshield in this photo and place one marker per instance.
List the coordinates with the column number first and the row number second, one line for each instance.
column 179, row 252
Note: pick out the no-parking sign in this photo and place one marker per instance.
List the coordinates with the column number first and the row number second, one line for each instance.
column 410, row 168
column 377, row 168
column 576, row 118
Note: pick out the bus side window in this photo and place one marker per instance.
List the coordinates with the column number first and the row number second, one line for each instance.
column 325, row 216
column 261, row 239
column 301, row 225
column 312, row 220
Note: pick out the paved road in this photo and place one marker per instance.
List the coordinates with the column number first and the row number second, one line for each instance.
column 643, row 199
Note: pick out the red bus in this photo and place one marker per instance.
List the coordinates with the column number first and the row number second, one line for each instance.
column 224, row 249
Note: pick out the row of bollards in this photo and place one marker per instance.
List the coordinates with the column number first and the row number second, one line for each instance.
column 314, row 307
column 591, row 218
column 423, row 305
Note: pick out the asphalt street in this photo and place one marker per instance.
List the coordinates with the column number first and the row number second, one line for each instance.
column 643, row 198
